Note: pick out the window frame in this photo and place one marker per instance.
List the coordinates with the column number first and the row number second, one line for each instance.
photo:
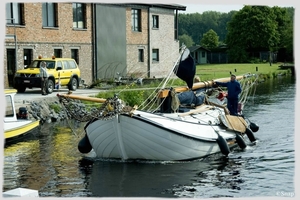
column 155, row 21
column 141, row 55
column 75, row 55
column 155, row 55
column 136, row 21
column 14, row 13
column 76, row 15
column 57, row 52
column 29, row 55
column 49, row 9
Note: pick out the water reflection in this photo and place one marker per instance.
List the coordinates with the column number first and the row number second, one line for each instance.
column 51, row 163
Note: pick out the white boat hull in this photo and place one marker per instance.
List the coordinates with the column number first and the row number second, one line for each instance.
column 14, row 127
column 156, row 137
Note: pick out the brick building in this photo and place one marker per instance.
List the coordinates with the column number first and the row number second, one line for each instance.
column 105, row 39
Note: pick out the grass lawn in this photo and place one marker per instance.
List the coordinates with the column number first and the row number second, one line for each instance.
column 214, row 71
column 206, row 72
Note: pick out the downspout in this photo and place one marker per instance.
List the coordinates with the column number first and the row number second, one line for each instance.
column 176, row 33
column 94, row 43
column 149, row 48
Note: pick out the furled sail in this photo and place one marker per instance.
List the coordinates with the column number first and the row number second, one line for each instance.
column 186, row 68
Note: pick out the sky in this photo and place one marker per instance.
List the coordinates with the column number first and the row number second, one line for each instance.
column 200, row 8
column 224, row 8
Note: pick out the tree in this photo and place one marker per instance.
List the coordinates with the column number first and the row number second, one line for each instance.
column 284, row 19
column 210, row 39
column 187, row 40
column 253, row 27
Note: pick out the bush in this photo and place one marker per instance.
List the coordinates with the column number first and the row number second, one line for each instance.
column 55, row 107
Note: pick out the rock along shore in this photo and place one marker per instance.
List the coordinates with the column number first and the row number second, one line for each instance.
column 47, row 108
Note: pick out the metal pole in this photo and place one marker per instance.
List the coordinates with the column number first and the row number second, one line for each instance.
column 15, row 40
column 16, row 55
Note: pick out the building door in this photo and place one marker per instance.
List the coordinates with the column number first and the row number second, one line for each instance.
column 11, row 67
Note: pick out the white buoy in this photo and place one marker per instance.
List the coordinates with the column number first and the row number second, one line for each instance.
column 21, row 192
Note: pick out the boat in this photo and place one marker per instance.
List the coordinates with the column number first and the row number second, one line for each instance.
column 16, row 121
column 172, row 132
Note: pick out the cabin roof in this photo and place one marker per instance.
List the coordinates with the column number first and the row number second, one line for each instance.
column 195, row 48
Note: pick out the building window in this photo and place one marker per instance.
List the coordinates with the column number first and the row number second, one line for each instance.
column 203, row 54
column 75, row 55
column 49, row 14
column 155, row 21
column 14, row 13
column 136, row 19
column 155, row 55
column 28, row 54
column 79, row 15
column 58, row 53
column 141, row 55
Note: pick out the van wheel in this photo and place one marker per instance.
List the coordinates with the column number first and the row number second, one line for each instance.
column 50, row 86
column 73, row 84
column 21, row 89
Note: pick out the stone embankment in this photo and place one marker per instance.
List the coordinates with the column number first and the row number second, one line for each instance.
column 46, row 110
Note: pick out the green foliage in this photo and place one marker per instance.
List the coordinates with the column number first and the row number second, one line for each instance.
column 196, row 24
column 55, row 107
column 187, row 40
column 215, row 71
column 210, row 39
column 135, row 95
column 237, row 54
column 251, row 27
column 259, row 27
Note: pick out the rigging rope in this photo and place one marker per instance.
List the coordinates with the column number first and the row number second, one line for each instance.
column 108, row 110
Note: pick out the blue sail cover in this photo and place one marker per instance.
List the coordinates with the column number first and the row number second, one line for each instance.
column 186, row 69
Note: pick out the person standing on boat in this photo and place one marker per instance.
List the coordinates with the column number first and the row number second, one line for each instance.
column 233, row 90
column 44, row 77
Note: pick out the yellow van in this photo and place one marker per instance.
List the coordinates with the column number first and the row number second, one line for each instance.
column 64, row 70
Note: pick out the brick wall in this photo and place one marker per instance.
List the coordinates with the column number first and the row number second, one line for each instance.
column 135, row 41
column 164, row 40
column 42, row 41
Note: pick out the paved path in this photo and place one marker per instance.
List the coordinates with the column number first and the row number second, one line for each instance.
column 35, row 94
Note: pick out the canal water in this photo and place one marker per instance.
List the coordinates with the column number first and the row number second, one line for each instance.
column 50, row 162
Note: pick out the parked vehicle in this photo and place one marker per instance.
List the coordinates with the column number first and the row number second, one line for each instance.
column 62, row 70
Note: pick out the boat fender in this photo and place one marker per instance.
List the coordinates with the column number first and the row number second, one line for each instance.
column 240, row 141
column 254, row 127
column 250, row 135
column 84, row 145
column 223, row 145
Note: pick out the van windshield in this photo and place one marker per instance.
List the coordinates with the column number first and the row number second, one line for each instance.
column 37, row 64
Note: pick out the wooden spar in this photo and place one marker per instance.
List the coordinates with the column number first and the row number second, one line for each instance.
column 93, row 99
column 165, row 92
column 161, row 94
